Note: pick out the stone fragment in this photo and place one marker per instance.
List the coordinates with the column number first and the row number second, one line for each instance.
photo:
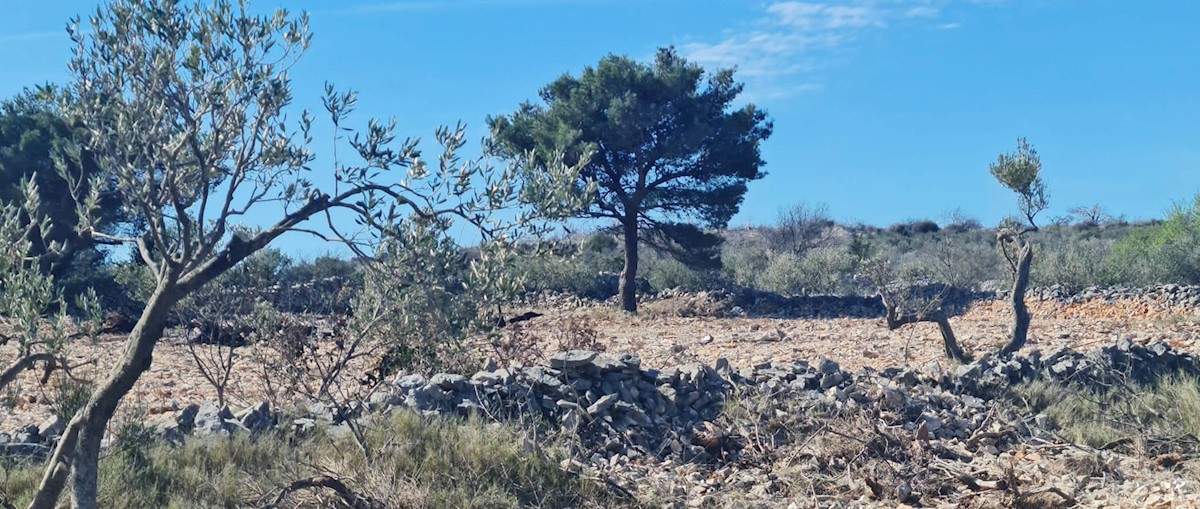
column 572, row 359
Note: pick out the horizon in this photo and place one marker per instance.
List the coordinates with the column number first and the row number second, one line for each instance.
column 885, row 111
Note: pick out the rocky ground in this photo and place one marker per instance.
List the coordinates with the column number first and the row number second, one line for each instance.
column 717, row 400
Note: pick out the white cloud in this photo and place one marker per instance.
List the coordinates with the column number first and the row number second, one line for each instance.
column 785, row 45
column 810, row 16
column 922, row 11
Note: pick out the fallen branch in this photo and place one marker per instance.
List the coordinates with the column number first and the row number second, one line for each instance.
column 348, row 496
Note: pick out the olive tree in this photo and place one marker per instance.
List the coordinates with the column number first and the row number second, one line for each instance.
column 1021, row 172
column 33, row 316
column 913, row 298
column 186, row 103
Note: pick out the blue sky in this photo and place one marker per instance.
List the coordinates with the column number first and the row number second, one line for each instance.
column 884, row 109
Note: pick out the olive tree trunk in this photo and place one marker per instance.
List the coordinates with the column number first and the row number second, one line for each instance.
column 628, row 284
column 78, row 451
column 896, row 320
column 1021, row 316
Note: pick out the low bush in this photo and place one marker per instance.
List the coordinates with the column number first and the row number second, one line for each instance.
column 1075, row 265
column 820, row 271
column 1158, row 418
column 421, row 462
column 1168, row 252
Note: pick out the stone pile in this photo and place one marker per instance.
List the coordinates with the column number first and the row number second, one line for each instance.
column 1180, row 296
column 623, row 412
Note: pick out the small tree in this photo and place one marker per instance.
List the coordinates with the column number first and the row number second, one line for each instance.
column 660, row 141
column 1088, row 216
column 801, row 228
column 1020, row 172
column 186, row 103
column 910, row 298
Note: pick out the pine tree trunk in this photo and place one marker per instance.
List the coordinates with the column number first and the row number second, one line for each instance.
column 78, row 452
column 628, row 285
column 1021, row 316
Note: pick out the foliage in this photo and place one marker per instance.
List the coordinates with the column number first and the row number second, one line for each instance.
column 1075, row 265
column 35, row 137
column 431, row 463
column 321, row 268
column 915, row 227
column 820, row 271
column 660, row 142
column 665, row 272
column 33, row 310
column 1162, row 253
column 1021, row 172
column 1154, row 418
column 567, row 267
column 186, row 104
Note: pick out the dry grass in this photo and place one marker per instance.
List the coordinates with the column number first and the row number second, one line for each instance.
column 420, row 462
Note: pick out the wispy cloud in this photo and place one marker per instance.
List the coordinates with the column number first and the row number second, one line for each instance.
column 31, row 36
column 777, row 53
column 923, row 11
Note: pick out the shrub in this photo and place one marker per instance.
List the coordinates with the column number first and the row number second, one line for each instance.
column 1150, row 418
column 1074, row 265
column 1161, row 253
column 319, row 269
column 423, row 462
column 801, row 228
column 821, row 271
column 665, row 273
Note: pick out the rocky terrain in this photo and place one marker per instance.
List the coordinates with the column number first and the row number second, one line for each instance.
column 720, row 400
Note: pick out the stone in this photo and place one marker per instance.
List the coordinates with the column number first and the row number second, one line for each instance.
column 827, row 366
column 572, row 359
column 409, row 382
column 931, row 422
column 603, row 404
column 25, row 451
column 448, row 382
column 571, row 420
column 52, row 427
column 256, row 418
column 211, row 420
column 831, row 380
column 382, row 400
column 187, row 417
column 27, row 434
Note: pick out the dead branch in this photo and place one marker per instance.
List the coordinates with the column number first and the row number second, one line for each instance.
column 325, row 482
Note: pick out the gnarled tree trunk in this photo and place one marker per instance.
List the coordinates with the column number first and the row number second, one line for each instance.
column 896, row 319
column 1021, row 267
column 78, row 450
column 628, row 284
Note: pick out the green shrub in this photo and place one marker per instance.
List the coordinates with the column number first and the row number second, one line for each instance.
column 820, row 271
column 1161, row 253
column 320, row 268
column 666, row 273
column 1074, row 265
